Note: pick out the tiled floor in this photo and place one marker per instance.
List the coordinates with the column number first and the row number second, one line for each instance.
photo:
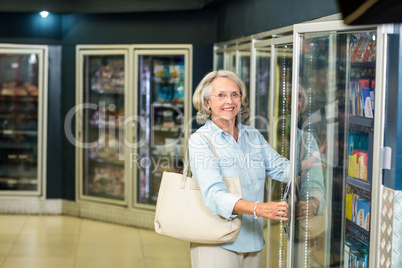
column 69, row 242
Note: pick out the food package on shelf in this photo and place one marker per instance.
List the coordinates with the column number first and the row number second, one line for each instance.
column 107, row 117
column 168, row 120
column 360, row 43
column 164, row 94
column 349, row 205
column 174, row 70
column 108, row 181
column 178, row 94
column 159, row 69
column 107, row 148
column 110, row 77
column 362, row 213
column 17, row 88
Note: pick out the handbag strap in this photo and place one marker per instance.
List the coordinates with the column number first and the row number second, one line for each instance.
column 187, row 164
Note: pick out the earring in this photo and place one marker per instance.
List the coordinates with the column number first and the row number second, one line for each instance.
column 209, row 108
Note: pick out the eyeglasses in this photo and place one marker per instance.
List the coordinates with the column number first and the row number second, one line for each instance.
column 223, row 96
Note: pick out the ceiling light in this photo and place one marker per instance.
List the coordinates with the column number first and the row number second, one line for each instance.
column 44, row 14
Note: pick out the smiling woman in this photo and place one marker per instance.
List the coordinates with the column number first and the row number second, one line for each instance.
column 242, row 151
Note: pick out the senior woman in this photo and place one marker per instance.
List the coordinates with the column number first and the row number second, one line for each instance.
column 242, row 151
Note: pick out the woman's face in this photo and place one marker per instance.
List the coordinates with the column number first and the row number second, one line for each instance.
column 225, row 100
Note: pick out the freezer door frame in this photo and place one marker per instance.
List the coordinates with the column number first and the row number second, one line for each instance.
column 43, row 56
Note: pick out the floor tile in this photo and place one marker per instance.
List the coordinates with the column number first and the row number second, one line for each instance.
column 168, row 263
column 38, row 262
column 12, row 224
column 43, row 251
column 52, row 225
column 102, row 262
column 149, row 237
column 163, row 251
column 6, row 243
column 44, row 239
column 109, row 250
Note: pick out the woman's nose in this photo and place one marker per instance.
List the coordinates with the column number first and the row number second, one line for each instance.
column 229, row 98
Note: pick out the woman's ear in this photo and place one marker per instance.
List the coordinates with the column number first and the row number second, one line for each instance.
column 206, row 102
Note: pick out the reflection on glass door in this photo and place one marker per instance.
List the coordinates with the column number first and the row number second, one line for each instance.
column 244, row 68
column 218, row 61
column 231, row 61
column 334, row 149
column 103, row 88
column 263, row 67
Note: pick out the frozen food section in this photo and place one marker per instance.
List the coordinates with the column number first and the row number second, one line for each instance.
column 132, row 105
column 22, row 141
column 162, row 94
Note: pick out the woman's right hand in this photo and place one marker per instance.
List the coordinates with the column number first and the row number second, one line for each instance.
column 273, row 210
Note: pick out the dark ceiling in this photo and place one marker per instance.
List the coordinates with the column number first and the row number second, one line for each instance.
column 103, row 6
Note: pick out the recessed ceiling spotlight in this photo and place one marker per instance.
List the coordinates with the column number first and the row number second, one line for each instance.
column 44, row 14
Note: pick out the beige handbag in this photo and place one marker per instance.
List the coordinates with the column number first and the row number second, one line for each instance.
column 182, row 214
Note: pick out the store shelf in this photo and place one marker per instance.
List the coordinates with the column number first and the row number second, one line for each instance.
column 14, row 98
column 361, row 121
column 167, row 153
column 364, row 185
column 12, row 181
column 110, row 162
column 105, row 125
column 167, row 129
column 19, row 132
column 168, row 105
column 168, row 80
column 370, row 64
column 108, row 91
column 358, row 232
column 19, row 116
column 19, row 145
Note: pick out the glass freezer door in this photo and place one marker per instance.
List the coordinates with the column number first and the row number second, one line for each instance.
column 162, row 92
column 336, row 75
column 21, row 121
column 263, row 67
column 244, row 67
column 102, row 160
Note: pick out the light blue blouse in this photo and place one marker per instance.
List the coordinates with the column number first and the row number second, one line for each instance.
column 252, row 159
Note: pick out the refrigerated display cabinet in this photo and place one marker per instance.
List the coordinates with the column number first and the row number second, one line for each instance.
column 335, row 200
column 162, row 81
column 23, row 119
column 133, row 102
column 102, row 88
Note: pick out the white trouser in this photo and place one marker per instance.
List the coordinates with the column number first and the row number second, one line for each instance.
column 213, row 256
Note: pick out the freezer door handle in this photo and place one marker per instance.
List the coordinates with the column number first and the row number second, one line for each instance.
column 386, row 155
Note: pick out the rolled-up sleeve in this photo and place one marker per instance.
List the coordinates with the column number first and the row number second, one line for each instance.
column 206, row 171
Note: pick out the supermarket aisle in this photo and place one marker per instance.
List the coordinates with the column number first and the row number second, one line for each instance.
column 67, row 242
